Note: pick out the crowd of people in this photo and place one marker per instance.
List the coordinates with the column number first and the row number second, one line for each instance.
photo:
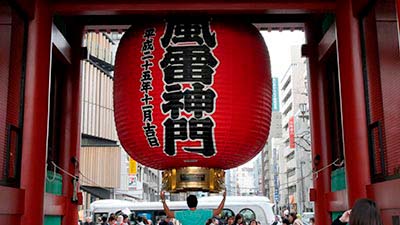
column 289, row 218
column 122, row 219
column 231, row 220
column 364, row 212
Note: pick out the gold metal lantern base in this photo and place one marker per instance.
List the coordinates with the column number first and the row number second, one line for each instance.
column 193, row 179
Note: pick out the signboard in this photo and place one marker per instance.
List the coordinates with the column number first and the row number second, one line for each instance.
column 275, row 94
column 132, row 166
column 134, row 184
column 291, row 133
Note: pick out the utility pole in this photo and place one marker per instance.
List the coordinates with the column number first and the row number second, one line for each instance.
column 302, row 186
column 287, row 186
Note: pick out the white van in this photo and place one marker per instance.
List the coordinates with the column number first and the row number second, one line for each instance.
column 250, row 207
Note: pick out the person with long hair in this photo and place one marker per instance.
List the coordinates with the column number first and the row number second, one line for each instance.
column 364, row 212
column 112, row 220
column 239, row 220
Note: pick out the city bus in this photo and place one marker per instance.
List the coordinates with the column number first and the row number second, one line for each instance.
column 250, row 207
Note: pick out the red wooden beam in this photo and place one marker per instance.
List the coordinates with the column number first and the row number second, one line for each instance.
column 359, row 6
column 27, row 6
column 61, row 45
column 327, row 43
column 13, row 200
column 54, row 205
column 398, row 17
column 107, row 28
column 129, row 7
column 385, row 193
column 279, row 26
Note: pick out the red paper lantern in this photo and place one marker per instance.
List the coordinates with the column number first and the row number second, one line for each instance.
column 192, row 93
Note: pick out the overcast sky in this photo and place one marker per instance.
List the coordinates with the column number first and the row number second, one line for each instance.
column 278, row 44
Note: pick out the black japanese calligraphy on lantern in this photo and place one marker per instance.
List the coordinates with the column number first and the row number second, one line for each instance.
column 174, row 100
column 151, row 135
column 189, row 66
column 198, row 100
column 186, row 32
column 202, row 129
column 174, row 130
column 146, row 87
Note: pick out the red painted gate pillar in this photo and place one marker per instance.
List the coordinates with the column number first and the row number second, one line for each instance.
column 353, row 102
column 70, row 127
column 34, row 142
column 319, row 127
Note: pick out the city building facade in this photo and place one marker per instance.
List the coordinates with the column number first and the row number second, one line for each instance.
column 275, row 132
column 295, row 159
column 100, row 153
column 107, row 171
column 231, row 182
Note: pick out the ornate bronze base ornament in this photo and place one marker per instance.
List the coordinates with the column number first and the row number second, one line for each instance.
column 194, row 179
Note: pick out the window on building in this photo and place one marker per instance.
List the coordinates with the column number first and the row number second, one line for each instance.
column 291, row 172
column 290, row 156
column 287, row 110
column 287, row 82
column 284, row 100
column 292, row 189
column 139, row 174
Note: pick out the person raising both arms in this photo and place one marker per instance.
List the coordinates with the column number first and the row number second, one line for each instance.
column 193, row 216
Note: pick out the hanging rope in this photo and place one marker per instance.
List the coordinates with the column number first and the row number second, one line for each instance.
column 340, row 164
column 54, row 173
column 88, row 179
column 326, row 167
column 66, row 172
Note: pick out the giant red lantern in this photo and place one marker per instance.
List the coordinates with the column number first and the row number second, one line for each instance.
column 192, row 93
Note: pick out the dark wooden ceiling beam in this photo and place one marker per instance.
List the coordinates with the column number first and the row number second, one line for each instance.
column 108, row 7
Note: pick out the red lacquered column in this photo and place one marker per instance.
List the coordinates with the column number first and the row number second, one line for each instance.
column 70, row 127
column 353, row 102
column 319, row 127
column 34, row 142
